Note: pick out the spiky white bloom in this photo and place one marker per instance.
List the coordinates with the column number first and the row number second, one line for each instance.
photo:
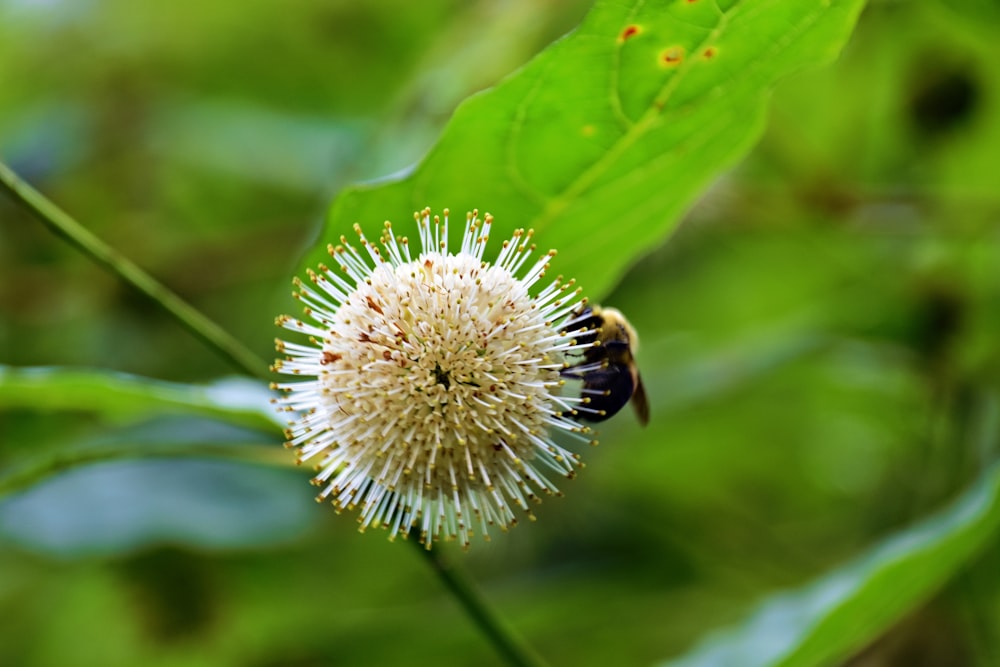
column 433, row 381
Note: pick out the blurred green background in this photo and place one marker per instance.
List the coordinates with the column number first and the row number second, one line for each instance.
column 818, row 339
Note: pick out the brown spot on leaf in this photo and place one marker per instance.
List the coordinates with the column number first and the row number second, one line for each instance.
column 672, row 56
column 629, row 31
column 709, row 53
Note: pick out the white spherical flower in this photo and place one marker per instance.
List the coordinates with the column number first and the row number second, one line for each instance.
column 433, row 381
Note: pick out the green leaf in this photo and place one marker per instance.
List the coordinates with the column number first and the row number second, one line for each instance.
column 206, row 411
column 115, row 506
column 603, row 140
column 119, row 395
column 842, row 612
column 183, row 436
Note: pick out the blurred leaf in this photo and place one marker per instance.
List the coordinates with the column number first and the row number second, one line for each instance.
column 160, row 437
column 117, row 395
column 975, row 11
column 228, row 403
column 677, row 385
column 262, row 145
column 118, row 506
column 85, row 499
column 615, row 128
column 845, row 610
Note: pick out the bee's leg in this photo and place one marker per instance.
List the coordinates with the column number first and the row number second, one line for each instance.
column 583, row 370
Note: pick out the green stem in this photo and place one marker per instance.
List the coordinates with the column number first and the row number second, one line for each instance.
column 62, row 224
column 513, row 649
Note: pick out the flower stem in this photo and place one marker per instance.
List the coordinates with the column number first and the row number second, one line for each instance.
column 513, row 649
column 62, row 224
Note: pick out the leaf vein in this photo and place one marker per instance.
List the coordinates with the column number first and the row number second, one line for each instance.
column 636, row 131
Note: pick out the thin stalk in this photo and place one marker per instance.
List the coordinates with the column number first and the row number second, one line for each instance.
column 505, row 640
column 62, row 224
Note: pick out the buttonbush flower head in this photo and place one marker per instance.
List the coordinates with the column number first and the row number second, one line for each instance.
column 430, row 382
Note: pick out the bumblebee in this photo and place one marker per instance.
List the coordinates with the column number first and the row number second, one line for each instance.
column 608, row 369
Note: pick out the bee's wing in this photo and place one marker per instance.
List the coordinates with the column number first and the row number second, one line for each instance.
column 639, row 400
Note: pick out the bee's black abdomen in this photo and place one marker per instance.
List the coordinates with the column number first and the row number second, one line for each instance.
column 608, row 389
